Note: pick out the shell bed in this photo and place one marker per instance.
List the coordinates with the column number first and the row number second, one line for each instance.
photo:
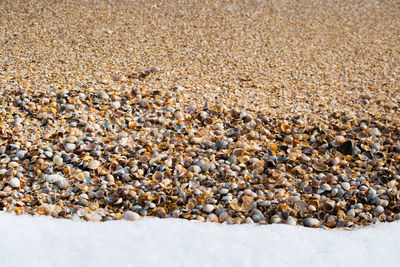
column 224, row 111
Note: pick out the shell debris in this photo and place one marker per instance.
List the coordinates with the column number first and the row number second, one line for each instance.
column 225, row 112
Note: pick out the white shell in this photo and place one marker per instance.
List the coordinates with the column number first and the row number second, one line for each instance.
column 58, row 160
column 115, row 105
column 14, row 182
column 208, row 208
column 94, row 164
column 131, row 216
column 69, row 147
column 311, row 222
column 53, row 178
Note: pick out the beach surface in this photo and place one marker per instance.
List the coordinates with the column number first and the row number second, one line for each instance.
column 239, row 112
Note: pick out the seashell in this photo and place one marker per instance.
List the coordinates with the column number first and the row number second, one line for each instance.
column 180, row 171
column 247, row 199
column 208, row 121
column 374, row 132
column 379, row 209
column 172, row 206
column 321, row 167
column 161, row 212
column 14, row 182
column 131, row 216
column 80, row 176
column 311, row 208
column 247, row 206
column 393, row 204
column 285, row 128
column 275, row 219
column 223, row 216
column 71, row 139
column 276, row 174
column 257, row 215
column 362, row 135
column 243, row 159
column 314, row 202
column 345, row 186
column 281, row 182
column 346, row 148
column 238, row 152
column 295, row 142
column 95, row 181
column 58, row 161
column 233, row 132
column 328, row 207
column 93, row 165
column 259, row 164
column 118, row 150
column 335, row 161
column 365, row 147
column 81, row 212
column 69, row 147
column 189, row 206
column 208, row 208
column 331, row 221
column 152, row 197
column 392, row 183
column 212, row 218
column 326, row 187
column 291, row 221
column 235, row 205
column 196, row 140
column 311, row 222
column 158, row 175
column 300, row 206
column 272, row 148
column 307, row 150
column 87, row 158
column 293, row 156
column 113, row 166
column 340, row 139
column 54, row 178
column 335, row 143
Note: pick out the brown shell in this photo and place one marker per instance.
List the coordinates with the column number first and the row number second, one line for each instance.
column 272, row 148
column 235, row 205
column 321, row 167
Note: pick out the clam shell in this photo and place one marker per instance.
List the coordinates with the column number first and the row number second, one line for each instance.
column 94, row 164
column 321, row 167
column 235, row 205
column 272, row 148
column 346, row 148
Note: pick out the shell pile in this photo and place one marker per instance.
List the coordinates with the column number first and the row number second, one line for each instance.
column 248, row 112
